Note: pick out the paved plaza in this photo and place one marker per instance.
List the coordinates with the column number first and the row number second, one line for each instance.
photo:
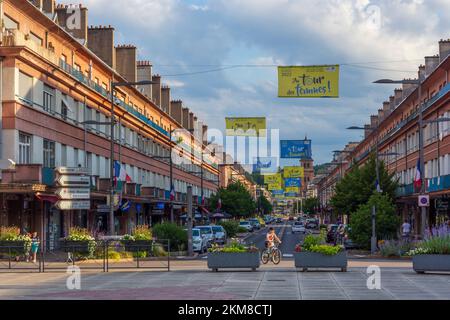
column 190, row 280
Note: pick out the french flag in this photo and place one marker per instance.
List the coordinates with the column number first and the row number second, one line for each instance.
column 172, row 193
column 418, row 176
column 120, row 174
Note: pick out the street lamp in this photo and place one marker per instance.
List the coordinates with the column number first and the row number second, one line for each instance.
column 112, row 191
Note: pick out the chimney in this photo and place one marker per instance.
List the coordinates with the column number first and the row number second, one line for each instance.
column 126, row 63
column 200, row 130
column 374, row 121
column 191, row 121
column 176, row 110
column 144, row 73
column 367, row 130
column 196, row 131
column 444, row 49
column 48, row 6
column 380, row 114
column 205, row 134
column 392, row 103
column 421, row 72
column 386, row 108
column 78, row 29
column 398, row 96
column 185, row 118
column 408, row 88
column 165, row 99
column 37, row 3
column 431, row 62
column 101, row 42
column 156, row 90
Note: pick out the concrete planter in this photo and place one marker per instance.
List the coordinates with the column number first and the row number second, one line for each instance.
column 306, row 260
column 13, row 247
column 137, row 245
column 431, row 262
column 228, row 260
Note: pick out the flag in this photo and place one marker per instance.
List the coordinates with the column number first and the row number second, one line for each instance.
column 418, row 176
column 172, row 193
column 120, row 174
column 125, row 206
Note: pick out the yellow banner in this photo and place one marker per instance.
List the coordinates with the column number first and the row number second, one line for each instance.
column 308, row 82
column 291, row 189
column 274, row 186
column 294, row 172
column 273, row 178
column 246, row 127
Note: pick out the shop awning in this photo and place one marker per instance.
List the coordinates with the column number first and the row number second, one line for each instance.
column 52, row 198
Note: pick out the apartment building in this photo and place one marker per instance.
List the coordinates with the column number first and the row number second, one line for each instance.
column 54, row 78
column 396, row 129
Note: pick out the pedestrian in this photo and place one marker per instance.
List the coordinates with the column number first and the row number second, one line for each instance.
column 406, row 230
column 34, row 246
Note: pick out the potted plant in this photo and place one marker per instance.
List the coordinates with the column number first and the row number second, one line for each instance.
column 314, row 254
column 141, row 240
column 79, row 241
column 12, row 242
column 233, row 255
column 433, row 253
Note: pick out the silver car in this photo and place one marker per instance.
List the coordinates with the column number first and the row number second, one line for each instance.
column 220, row 235
column 208, row 233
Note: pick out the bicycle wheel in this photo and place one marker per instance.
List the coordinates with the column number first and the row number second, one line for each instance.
column 276, row 256
column 265, row 256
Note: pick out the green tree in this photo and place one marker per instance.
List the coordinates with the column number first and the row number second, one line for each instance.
column 236, row 200
column 359, row 185
column 265, row 205
column 387, row 221
column 310, row 205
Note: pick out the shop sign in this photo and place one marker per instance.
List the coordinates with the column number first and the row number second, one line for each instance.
column 73, row 205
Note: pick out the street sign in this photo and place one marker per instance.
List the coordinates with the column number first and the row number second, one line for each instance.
column 75, row 171
column 73, row 205
column 73, row 193
column 103, row 208
column 74, row 181
column 424, row 201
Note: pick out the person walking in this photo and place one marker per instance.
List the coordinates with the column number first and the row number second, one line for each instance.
column 34, row 246
column 406, row 230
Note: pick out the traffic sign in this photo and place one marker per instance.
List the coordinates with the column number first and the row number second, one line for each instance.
column 75, row 170
column 73, row 205
column 424, row 201
column 74, row 181
column 73, row 193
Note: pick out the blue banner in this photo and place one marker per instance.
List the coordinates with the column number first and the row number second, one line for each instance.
column 265, row 165
column 293, row 182
column 277, row 192
column 295, row 149
column 291, row 194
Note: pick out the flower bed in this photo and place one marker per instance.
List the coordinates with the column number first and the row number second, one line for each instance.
column 13, row 243
column 235, row 256
column 79, row 242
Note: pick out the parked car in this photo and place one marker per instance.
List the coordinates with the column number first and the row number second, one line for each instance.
column 255, row 223
column 247, row 225
column 220, row 235
column 298, row 227
column 279, row 220
column 199, row 242
column 311, row 224
column 207, row 232
column 331, row 232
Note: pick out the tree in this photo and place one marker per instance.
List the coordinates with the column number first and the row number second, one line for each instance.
column 265, row 205
column 236, row 200
column 310, row 205
column 386, row 220
column 359, row 184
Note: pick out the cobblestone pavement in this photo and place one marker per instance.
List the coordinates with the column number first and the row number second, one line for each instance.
column 398, row 282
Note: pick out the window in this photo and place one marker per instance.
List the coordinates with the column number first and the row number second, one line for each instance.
column 64, row 107
column 36, row 39
column 49, row 99
column 10, row 23
column 24, row 148
column 49, row 153
column 26, row 87
column 75, row 157
column 63, row 155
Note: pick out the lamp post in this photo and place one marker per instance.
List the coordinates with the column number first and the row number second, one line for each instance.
column 112, row 186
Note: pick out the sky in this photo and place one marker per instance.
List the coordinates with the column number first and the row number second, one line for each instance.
column 188, row 41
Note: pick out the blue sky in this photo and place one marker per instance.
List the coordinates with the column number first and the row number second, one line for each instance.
column 198, row 35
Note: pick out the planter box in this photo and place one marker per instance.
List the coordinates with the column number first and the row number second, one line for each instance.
column 431, row 262
column 306, row 260
column 75, row 246
column 225, row 260
column 138, row 245
column 12, row 246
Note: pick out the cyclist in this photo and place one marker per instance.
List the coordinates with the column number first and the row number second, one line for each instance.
column 271, row 237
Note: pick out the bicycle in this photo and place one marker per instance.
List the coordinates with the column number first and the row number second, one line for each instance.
column 272, row 253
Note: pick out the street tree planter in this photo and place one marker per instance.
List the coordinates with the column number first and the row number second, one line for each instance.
column 75, row 246
column 233, row 260
column 137, row 245
column 306, row 260
column 431, row 262
column 17, row 247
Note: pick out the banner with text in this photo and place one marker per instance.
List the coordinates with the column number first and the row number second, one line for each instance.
column 293, row 172
column 308, row 81
column 291, row 189
column 246, row 127
column 293, row 182
column 273, row 178
column 265, row 165
column 274, row 186
column 295, row 149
